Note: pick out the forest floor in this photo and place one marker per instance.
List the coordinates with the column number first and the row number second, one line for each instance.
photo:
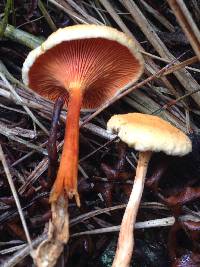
column 167, row 232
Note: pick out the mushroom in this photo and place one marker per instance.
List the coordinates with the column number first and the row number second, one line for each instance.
column 145, row 133
column 87, row 64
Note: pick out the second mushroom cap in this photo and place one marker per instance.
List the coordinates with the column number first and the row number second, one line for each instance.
column 149, row 133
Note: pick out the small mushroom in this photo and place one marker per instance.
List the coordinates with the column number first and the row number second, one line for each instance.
column 145, row 133
column 87, row 64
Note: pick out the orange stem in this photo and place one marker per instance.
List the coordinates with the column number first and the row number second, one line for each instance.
column 68, row 170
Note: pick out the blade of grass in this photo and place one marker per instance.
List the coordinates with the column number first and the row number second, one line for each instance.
column 14, row 192
column 4, row 22
column 187, row 23
column 47, row 16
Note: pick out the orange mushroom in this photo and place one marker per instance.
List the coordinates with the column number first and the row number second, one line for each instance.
column 87, row 64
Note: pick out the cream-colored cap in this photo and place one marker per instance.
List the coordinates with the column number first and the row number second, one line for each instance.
column 99, row 60
column 149, row 133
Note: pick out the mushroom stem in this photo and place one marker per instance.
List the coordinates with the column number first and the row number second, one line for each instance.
column 126, row 237
column 66, row 179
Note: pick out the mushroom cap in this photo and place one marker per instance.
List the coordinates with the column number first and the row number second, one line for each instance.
column 97, row 59
column 149, row 133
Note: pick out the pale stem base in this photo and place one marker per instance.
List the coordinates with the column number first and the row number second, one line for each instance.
column 126, row 237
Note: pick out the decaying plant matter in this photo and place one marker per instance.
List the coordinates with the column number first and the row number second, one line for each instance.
column 167, row 227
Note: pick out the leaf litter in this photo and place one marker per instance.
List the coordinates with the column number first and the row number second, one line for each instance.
column 169, row 213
